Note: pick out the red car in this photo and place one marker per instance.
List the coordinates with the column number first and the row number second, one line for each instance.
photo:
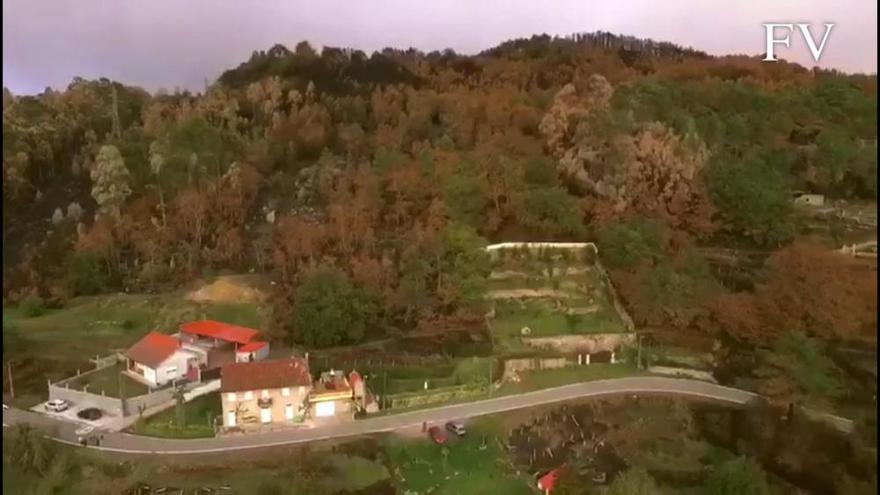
column 437, row 435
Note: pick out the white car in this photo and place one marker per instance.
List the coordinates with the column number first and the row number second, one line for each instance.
column 57, row 405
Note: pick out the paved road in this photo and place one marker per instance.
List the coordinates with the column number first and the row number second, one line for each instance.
column 134, row 444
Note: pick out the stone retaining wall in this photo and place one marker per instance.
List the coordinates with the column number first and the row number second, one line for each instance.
column 584, row 344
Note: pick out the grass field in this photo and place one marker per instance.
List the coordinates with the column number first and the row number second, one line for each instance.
column 199, row 415
column 543, row 320
column 475, row 464
column 412, row 379
column 538, row 379
column 60, row 341
column 573, row 300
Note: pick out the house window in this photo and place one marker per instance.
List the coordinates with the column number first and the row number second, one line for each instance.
column 285, row 391
column 265, row 394
column 248, row 395
column 302, row 389
column 171, row 370
column 230, row 396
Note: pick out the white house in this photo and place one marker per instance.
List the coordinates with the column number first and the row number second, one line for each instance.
column 158, row 359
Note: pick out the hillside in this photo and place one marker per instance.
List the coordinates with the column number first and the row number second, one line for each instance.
column 375, row 178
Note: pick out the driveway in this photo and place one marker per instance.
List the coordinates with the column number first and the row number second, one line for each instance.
column 134, row 444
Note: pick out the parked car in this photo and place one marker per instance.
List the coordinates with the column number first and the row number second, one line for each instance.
column 57, row 405
column 456, row 427
column 437, row 435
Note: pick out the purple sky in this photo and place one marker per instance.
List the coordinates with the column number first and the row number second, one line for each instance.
column 180, row 43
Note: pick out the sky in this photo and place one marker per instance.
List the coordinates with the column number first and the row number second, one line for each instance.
column 184, row 43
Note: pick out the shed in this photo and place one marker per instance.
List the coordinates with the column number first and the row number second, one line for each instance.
column 252, row 351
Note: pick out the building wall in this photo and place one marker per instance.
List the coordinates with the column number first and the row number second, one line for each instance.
column 249, row 406
column 134, row 405
column 173, row 368
column 342, row 408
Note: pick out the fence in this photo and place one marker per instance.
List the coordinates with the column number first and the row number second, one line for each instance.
column 113, row 405
column 135, row 405
column 73, row 396
column 520, row 364
column 61, row 390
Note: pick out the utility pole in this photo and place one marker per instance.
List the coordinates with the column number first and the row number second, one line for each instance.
column 117, row 131
column 639, row 358
column 384, row 389
column 491, row 362
column 9, row 373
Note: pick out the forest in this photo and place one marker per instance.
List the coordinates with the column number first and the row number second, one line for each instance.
column 362, row 185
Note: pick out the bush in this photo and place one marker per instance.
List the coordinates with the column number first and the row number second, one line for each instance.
column 32, row 307
column 737, row 476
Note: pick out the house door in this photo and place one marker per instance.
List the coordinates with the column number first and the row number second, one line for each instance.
column 230, row 418
column 192, row 370
column 266, row 415
column 288, row 411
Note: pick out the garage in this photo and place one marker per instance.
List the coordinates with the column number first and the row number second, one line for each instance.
column 324, row 409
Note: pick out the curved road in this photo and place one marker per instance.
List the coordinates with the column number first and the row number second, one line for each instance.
column 63, row 431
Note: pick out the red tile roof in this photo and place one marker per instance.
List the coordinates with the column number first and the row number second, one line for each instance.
column 152, row 349
column 256, row 375
column 219, row 330
column 251, row 347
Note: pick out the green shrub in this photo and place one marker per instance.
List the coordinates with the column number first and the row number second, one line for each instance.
column 32, row 307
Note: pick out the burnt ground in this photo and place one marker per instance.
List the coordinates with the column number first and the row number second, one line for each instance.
column 678, row 441
column 600, row 438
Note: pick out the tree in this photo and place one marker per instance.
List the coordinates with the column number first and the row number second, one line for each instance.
column 737, row 477
column 329, row 310
column 755, row 198
column 634, row 481
column 110, row 179
column 550, row 212
column 88, row 274
column 27, row 448
column 623, row 245
column 807, row 288
column 796, row 370
column 464, row 266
